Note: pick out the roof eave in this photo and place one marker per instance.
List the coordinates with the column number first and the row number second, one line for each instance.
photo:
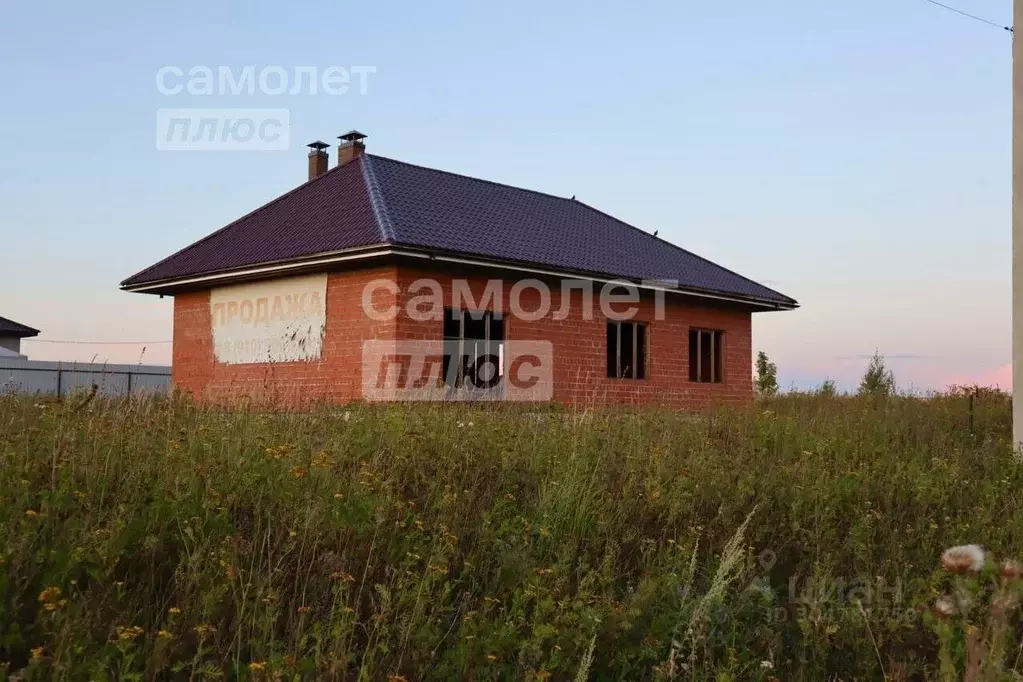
column 652, row 284
column 172, row 285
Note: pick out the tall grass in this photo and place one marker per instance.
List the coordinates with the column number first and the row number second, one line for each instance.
column 159, row 539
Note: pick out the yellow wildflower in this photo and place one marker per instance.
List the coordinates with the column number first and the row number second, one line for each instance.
column 174, row 610
column 128, row 634
column 257, row 665
column 51, row 599
column 305, row 609
column 38, row 652
column 164, row 634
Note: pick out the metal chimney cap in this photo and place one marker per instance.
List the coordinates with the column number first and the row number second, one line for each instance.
column 352, row 136
column 318, row 145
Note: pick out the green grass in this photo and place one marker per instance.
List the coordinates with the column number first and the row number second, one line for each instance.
column 165, row 540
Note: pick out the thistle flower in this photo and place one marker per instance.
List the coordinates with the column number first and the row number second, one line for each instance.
column 1003, row 605
column 944, row 607
column 963, row 559
column 1011, row 569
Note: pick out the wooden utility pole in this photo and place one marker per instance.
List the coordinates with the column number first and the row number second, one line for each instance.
column 1017, row 233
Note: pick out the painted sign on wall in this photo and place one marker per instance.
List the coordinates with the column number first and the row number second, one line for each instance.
column 277, row 321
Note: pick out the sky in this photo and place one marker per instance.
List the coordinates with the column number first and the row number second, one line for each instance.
column 854, row 156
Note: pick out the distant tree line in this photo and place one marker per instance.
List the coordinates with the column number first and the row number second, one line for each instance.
column 878, row 381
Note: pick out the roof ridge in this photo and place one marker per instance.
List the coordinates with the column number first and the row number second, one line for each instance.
column 470, row 177
column 683, row 250
column 234, row 222
column 376, row 200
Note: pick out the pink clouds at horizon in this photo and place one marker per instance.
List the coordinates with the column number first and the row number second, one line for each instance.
column 1000, row 377
column 919, row 374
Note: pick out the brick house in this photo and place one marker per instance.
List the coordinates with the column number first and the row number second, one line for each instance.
column 282, row 303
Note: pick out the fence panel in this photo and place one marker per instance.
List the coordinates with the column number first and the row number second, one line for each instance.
column 60, row 378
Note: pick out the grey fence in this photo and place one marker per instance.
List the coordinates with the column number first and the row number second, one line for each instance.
column 61, row 378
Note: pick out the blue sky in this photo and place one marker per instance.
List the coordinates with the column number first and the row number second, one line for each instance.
column 855, row 156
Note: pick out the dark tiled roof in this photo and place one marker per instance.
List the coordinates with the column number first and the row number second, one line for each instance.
column 330, row 213
column 12, row 328
column 375, row 200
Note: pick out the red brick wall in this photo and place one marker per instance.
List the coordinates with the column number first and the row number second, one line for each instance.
column 336, row 376
column 579, row 347
column 580, row 354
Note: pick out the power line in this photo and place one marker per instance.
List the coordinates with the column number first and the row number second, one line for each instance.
column 973, row 16
column 99, row 343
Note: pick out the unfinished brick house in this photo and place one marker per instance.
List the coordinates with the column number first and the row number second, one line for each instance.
column 281, row 303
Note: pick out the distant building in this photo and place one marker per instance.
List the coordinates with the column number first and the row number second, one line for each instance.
column 11, row 334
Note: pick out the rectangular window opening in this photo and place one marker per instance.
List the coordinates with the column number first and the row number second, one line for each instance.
column 705, row 356
column 626, row 350
column 473, row 349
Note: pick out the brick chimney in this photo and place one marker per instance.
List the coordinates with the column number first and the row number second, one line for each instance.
column 317, row 159
column 350, row 147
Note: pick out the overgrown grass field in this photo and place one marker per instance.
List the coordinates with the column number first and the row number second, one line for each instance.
column 159, row 539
